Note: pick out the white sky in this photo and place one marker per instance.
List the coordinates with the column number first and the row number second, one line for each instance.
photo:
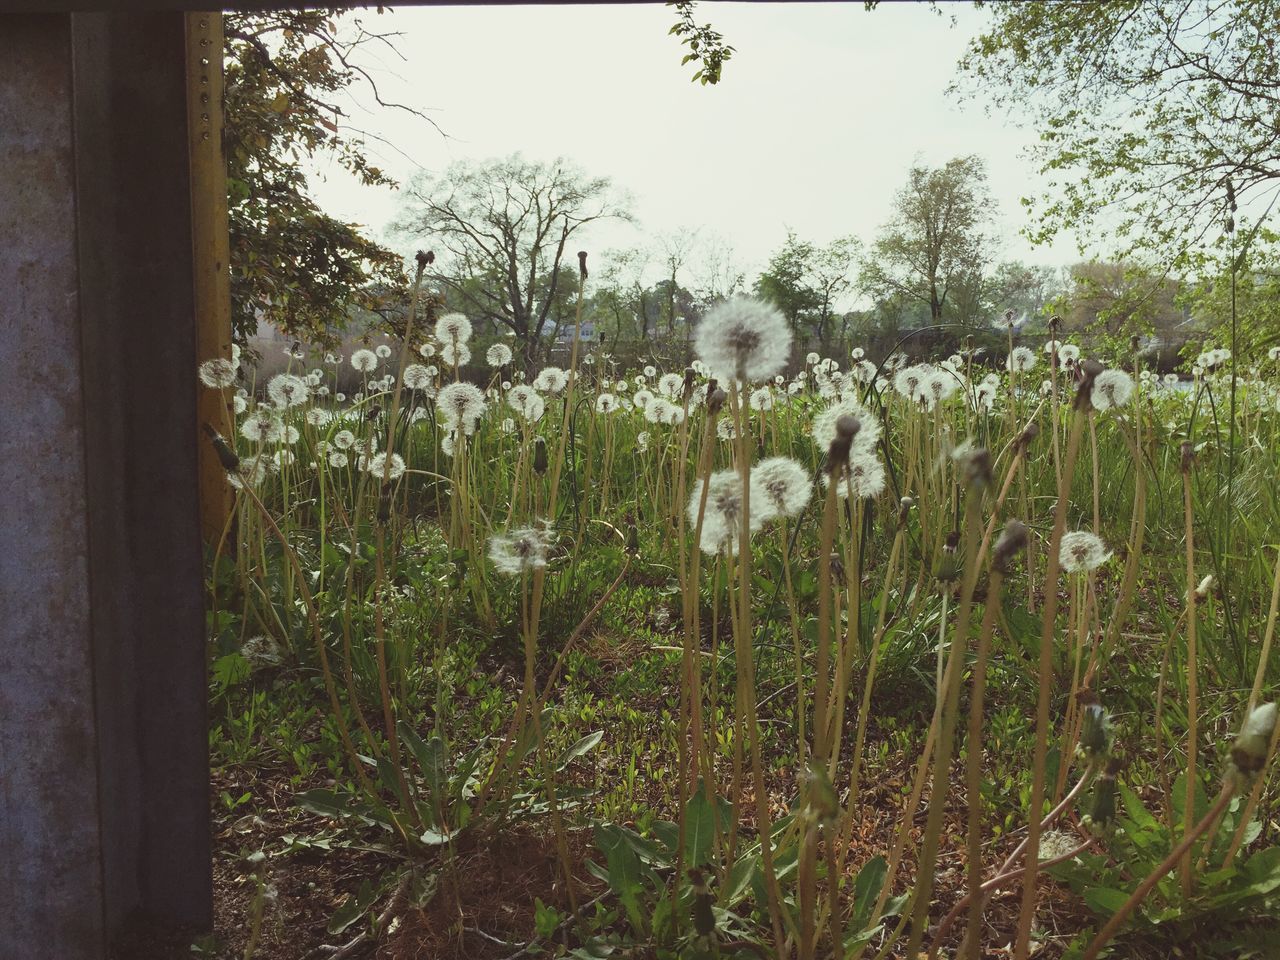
column 818, row 117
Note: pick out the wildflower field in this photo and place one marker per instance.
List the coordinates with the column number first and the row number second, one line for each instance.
column 772, row 656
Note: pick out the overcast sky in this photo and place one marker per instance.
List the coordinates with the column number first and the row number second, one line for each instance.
column 820, row 113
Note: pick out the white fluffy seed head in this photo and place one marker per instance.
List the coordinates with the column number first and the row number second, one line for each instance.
column 460, row 405
column 455, row 354
column 453, row 328
column 1111, row 389
column 786, row 486
column 721, row 522
column 218, row 373
column 1021, row 360
column 864, row 478
column 365, row 361
column 521, row 550
column 287, row 390
column 499, row 355
column 1082, row 551
column 743, row 338
column 417, row 377
column 551, row 380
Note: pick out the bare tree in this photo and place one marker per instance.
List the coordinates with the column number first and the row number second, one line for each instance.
column 504, row 227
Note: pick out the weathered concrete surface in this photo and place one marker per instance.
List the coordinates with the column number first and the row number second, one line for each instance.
column 103, row 744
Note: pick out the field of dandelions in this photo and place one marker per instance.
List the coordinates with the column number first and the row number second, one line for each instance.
column 772, row 656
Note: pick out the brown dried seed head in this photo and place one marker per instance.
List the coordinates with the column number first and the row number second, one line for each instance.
column 1012, row 542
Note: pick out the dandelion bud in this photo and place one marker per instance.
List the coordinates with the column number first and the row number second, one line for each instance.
column 1249, row 753
column 372, row 415
column 1202, row 591
column 837, row 569
column 1095, row 728
column 1135, row 342
column 1102, row 801
column 704, row 918
column 824, row 805
column 582, row 264
column 1055, row 322
column 539, row 456
column 904, row 509
column 425, row 258
column 633, row 540
column 1086, row 372
column 1012, row 542
column 715, row 400
column 1188, row 456
column 1030, row 433
column 226, row 456
column 974, row 463
column 847, row 427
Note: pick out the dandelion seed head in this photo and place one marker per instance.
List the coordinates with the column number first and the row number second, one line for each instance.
column 453, row 328
column 745, row 338
column 218, row 373
column 337, row 459
column 461, row 405
column 551, row 380
column 761, row 399
column 721, row 522
column 383, row 351
column 365, row 361
column 521, row 550
column 455, row 354
column 1111, row 388
column 1021, row 360
column 864, row 477
column 250, row 473
column 417, row 377
column 786, row 486
column 498, row 355
column 671, row 385
column 1082, row 551
column 380, row 467
column 287, row 390
column 261, row 426
column 239, row 404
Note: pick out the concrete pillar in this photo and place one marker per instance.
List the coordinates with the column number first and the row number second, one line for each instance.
column 103, row 744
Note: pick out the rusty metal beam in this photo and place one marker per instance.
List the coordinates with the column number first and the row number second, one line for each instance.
column 211, row 252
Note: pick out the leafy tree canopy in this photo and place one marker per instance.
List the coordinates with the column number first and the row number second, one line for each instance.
column 935, row 249
column 1150, row 112
column 305, row 271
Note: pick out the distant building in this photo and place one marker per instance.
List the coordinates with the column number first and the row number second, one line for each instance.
column 588, row 332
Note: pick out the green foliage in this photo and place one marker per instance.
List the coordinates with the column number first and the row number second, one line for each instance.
column 706, row 46
column 1224, row 899
column 1148, row 112
column 806, row 282
column 935, row 248
column 286, row 75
